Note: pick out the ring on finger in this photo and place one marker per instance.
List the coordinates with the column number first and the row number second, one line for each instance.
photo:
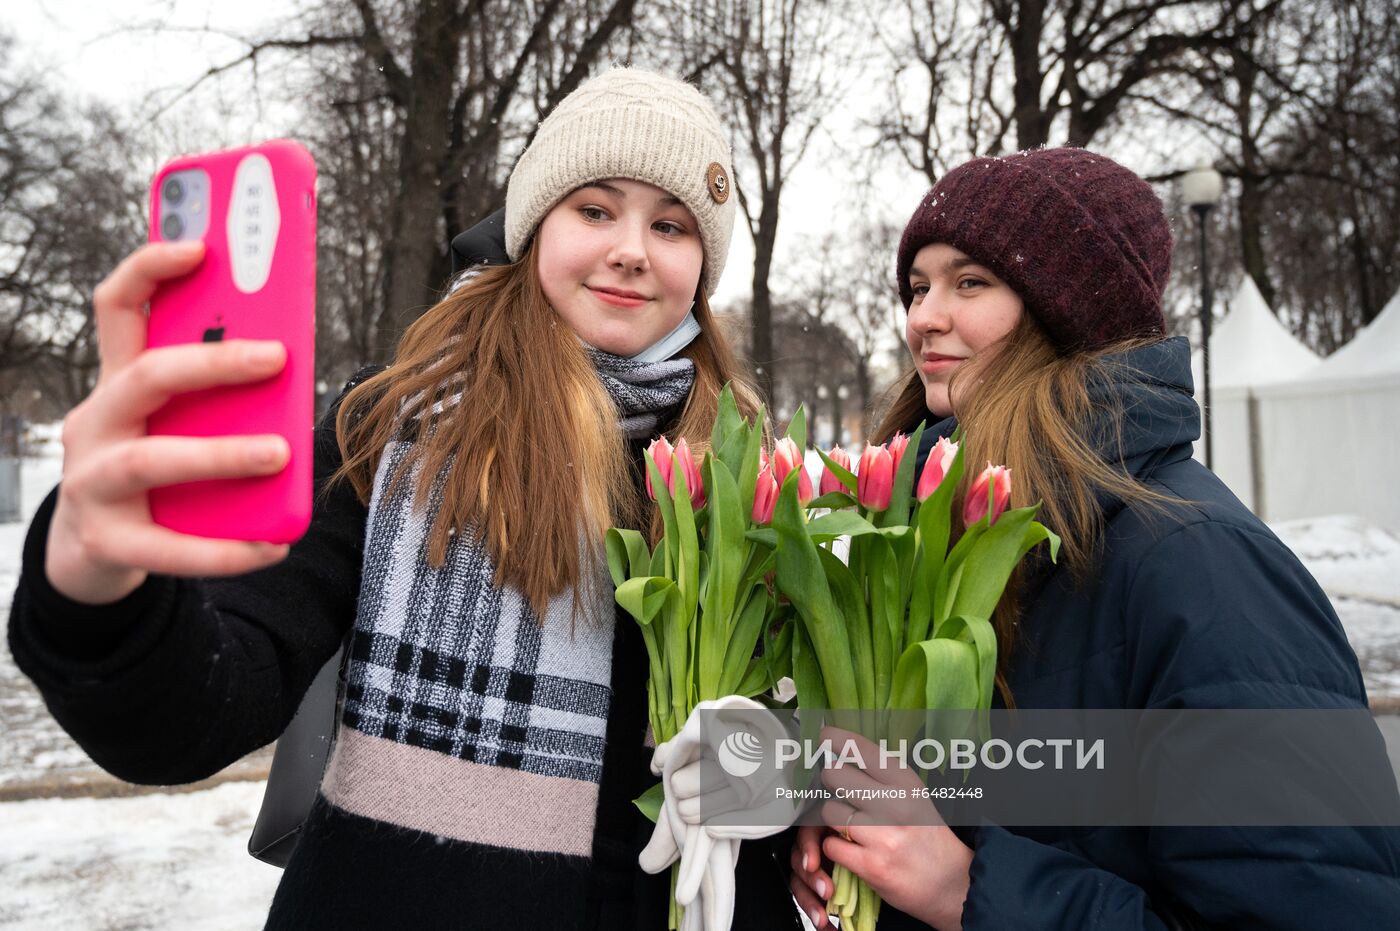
column 845, row 831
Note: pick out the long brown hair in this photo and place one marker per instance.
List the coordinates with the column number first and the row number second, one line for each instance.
column 505, row 410
column 1030, row 409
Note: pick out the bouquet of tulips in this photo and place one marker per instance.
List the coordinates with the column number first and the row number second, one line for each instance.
column 702, row 596
column 904, row 622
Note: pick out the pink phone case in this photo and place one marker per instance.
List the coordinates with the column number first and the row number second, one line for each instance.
column 274, row 297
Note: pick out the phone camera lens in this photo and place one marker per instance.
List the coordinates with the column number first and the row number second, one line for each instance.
column 172, row 226
column 173, row 191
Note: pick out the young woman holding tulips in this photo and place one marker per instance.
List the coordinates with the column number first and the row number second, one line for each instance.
column 1033, row 285
column 493, row 729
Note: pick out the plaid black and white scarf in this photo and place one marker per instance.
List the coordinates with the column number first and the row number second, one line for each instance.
column 464, row 715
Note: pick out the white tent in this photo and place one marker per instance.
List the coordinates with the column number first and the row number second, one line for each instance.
column 1248, row 348
column 1331, row 437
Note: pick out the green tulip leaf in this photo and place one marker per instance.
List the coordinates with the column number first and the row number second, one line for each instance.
column 845, row 475
column 730, row 433
column 797, row 429
column 666, row 506
column 938, row 674
column 851, row 605
column 649, row 802
column 777, row 647
column 989, row 562
column 835, row 500
column 736, row 654
column 839, row 524
column 806, row 671
column 979, row 632
column 800, row 577
column 765, row 536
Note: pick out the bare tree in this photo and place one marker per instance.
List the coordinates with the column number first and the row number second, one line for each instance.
column 1301, row 109
column 71, row 205
column 848, row 322
column 433, row 100
column 774, row 64
column 945, row 101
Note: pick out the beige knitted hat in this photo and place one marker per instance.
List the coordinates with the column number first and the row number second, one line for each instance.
column 630, row 124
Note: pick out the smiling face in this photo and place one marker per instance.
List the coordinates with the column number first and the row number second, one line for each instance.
column 620, row 262
column 960, row 309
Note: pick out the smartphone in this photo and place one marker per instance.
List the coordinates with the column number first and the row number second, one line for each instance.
column 255, row 210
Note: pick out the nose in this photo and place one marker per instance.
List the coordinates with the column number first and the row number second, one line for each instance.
column 628, row 253
column 928, row 315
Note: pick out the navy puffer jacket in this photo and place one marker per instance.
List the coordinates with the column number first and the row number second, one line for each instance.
column 1205, row 609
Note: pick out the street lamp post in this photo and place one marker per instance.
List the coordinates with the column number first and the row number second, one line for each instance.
column 1201, row 188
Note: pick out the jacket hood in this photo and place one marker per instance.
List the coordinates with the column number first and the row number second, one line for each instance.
column 1147, row 394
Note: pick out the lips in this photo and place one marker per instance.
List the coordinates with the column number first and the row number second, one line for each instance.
column 618, row 297
column 936, row 362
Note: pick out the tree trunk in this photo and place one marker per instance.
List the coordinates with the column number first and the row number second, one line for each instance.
column 1032, row 121
column 863, row 389
column 1252, row 238
column 416, row 264
column 1251, row 205
column 764, row 241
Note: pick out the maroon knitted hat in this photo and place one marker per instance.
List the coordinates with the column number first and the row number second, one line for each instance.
column 1080, row 238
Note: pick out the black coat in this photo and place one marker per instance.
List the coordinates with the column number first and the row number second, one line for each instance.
column 1206, row 609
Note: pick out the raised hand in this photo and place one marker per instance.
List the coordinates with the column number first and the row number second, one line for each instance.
column 102, row 541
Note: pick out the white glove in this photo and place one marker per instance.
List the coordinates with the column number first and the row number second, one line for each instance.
column 697, row 790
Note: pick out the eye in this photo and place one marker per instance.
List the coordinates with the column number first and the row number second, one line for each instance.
column 593, row 214
column 920, row 289
column 668, row 228
column 968, row 282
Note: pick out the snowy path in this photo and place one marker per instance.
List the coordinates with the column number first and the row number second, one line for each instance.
column 154, row 862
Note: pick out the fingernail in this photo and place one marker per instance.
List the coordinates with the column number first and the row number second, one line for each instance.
column 821, row 888
column 264, row 353
column 805, row 867
column 816, row 918
column 268, row 451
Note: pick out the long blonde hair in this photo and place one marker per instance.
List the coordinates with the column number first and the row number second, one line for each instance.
column 1030, row 409
column 503, row 407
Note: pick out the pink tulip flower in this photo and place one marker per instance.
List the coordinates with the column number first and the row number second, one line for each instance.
column 875, row 479
column 830, row 482
column 691, row 470
column 786, row 457
column 897, row 445
column 765, row 496
column 940, row 460
column 661, row 453
column 991, row 492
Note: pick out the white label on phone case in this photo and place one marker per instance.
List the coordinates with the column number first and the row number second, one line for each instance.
column 253, row 219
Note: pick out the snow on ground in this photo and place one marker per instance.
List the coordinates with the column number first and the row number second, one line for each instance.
column 31, row 744
column 1358, row 565
column 179, row 860
column 157, row 862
